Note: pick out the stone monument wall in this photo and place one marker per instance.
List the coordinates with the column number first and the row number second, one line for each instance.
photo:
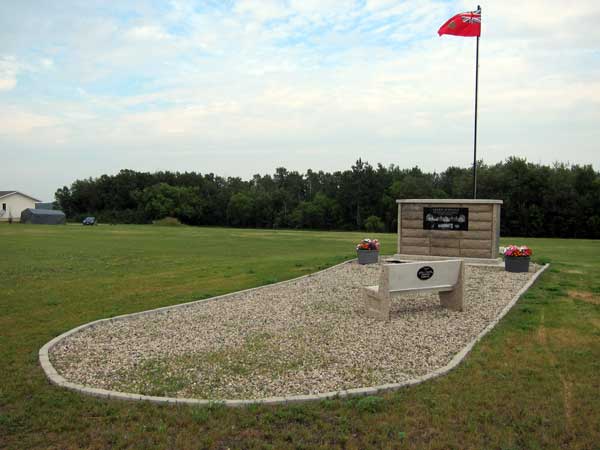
column 449, row 227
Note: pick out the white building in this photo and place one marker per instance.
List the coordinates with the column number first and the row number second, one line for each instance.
column 12, row 203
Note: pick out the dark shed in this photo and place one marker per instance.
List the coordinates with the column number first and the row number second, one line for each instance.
column 43, row 216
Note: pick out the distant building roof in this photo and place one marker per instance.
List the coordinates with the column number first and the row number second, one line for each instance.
column 45, row 212
column 7, row 193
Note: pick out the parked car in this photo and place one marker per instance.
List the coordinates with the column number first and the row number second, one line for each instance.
column 89, row 221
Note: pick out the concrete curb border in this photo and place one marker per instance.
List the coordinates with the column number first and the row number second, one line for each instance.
column 56, row 379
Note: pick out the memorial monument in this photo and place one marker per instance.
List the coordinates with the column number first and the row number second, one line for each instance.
column 463, row 228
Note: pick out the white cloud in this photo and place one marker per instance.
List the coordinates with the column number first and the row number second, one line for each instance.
column 14, row 121
column 7, row 83
column 47, row 63
column 148, row 33
column 9, row 68
column 262, row 10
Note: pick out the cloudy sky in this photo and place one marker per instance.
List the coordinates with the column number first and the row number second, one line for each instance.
column 242, row 87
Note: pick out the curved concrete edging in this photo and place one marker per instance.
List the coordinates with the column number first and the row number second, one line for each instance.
column 57, row 379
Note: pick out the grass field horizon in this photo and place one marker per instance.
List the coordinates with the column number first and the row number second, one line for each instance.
column 533, row 382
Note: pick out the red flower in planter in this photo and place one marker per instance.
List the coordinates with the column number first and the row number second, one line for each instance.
column 368, row 244
column 513, row 250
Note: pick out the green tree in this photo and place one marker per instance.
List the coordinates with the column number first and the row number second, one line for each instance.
column 240, row 210
column 163, row 200
column 374, row 224
column 539, row 200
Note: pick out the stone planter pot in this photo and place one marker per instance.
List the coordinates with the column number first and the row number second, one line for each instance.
column 516, row 263
column 368, row 256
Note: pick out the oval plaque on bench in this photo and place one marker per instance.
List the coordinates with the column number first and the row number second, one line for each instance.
column 425, row 273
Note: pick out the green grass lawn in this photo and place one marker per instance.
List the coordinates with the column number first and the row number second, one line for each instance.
column 534, row 382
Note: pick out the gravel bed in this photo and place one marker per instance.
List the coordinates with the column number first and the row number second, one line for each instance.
column 303, row 337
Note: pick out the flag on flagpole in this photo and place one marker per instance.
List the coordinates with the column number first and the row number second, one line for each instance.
column 463, row 24
column 468, row 24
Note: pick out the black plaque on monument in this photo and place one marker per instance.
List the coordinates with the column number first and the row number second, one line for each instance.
column 447, row 219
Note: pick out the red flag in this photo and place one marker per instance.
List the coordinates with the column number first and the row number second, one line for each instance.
column 463, row 24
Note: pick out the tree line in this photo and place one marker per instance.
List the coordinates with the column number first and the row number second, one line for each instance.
column 539, row 200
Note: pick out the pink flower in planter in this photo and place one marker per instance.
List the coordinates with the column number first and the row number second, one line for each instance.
column 513, row 250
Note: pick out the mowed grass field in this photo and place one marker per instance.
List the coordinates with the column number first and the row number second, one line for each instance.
column 534, row 382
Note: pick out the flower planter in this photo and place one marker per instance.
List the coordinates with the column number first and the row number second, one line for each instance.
column 367, row 256
column 516, row 263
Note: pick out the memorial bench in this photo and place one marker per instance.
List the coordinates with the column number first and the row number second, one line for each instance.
column 444, row 277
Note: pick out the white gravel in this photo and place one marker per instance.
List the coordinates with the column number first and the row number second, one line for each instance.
column 304, row 337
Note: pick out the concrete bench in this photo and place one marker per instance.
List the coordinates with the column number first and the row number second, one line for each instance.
column 444, row 277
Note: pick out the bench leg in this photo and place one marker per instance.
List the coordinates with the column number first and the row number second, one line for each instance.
column 376, row 307
column 454, row 299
